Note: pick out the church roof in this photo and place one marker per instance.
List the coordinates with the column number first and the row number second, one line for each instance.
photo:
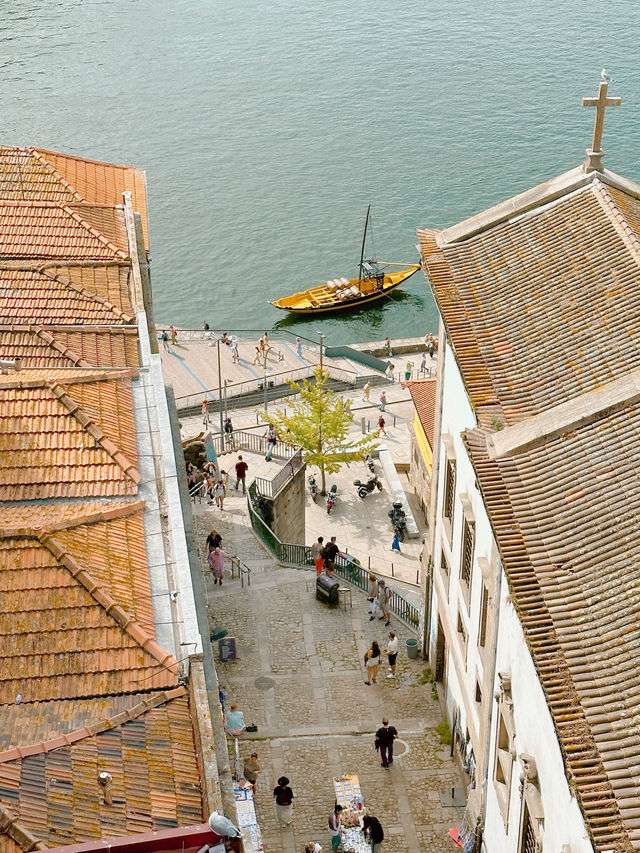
column 540, row 297
column 544, row 305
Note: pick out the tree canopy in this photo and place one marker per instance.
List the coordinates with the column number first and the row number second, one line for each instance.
column 319, row 424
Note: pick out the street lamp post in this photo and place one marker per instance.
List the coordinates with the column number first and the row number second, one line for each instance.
column 220, row 391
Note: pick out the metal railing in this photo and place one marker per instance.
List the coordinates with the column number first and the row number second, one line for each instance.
column 255, row 385
column 347, row 568
column 270, row 488
column 240, row 569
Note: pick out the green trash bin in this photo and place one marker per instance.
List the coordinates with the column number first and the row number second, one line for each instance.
column 412, row 648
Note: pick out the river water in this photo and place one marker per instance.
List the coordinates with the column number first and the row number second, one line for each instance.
column 266, row 128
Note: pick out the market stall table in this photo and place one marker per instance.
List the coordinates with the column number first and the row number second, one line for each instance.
column 349, row 796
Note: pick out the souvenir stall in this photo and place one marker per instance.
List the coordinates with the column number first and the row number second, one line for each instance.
column 243, row 793
column 349, row 796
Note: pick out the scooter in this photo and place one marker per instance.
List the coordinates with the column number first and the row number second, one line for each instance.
column 332, row 497
column 364, row 488
column 398, row 519
column 313, row 487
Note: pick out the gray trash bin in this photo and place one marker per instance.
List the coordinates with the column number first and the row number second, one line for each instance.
column 412, row 648
column 327, row 590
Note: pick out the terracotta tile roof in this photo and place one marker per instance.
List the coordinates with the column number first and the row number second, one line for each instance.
column 33, row 722
column 29, row 174
column 75, row 613
column 423, row 394
column 62, row 232
column 67, row 436
column 566, row 517
column 97, row 346
column 65, row 295
column 52, row 790
column 545, row 306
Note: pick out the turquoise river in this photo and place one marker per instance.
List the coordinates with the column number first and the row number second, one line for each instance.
column 266, row 128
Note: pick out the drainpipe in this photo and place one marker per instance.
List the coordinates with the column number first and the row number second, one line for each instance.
column 494, row 656
column 435, row 477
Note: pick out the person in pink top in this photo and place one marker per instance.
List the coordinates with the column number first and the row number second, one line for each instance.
column 216, row 564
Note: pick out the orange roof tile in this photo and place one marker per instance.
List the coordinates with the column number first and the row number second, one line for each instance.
column 55, row 796
column 423, row 394
column 65, row 295
column 47, row 230
column 64, row 634
column 88, row 346
column 29, row 174
column 67, row 437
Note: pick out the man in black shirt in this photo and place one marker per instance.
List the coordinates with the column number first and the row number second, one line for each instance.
column 385, row 737
column 329, row 553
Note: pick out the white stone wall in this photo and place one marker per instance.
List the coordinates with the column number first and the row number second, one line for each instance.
column 534, row 735
column 465, row 667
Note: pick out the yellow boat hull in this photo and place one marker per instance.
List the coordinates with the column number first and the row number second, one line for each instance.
column 319, row 300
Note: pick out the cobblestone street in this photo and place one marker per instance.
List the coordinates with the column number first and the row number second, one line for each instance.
column 300, row 678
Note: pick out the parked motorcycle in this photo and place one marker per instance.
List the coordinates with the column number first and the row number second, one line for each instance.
column 369, row 463
column 365, row 488
column 332, row 497
column 398, row 519
column 313, row 487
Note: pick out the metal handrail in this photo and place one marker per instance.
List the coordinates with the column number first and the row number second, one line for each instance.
column 242, row 568
column 347, row 568
column 270, row 488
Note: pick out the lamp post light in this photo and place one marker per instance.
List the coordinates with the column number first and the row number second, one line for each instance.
column 220, row 391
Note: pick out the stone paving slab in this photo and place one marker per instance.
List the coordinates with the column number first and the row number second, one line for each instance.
column 319, row 718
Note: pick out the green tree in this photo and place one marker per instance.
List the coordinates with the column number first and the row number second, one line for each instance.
column 319, row 424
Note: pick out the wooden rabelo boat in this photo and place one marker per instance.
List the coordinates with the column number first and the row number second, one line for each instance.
column 372, row 283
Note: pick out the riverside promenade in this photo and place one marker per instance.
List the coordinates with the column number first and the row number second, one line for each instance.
column 300, row 678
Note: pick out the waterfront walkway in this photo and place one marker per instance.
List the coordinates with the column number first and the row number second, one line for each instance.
column 300, row 679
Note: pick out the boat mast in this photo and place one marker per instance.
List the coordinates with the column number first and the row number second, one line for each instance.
column 364, row 240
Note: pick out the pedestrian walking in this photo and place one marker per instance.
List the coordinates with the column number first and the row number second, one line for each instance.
column 251, row 769
column 395, row 545
column 219, row 493
column 205, row 412
column 373, row 832
column 284, row 797
column 257, row 358
column 241, row 474
column 431, row 346
column 329, row 554
column 423, row 364
column 316, row 554
column 385, row 737
column 298, row 346
column 381, row 423
column 387, row 343
column 272, row 437
column 335, row 821
column 174, row 335
column 389, row 371
column 383, row 401
column 372, row 594
column 214, row 540
column 266, row 340
column 216, row 564
column 313, row 847
column 164, row 337
column 392, row 654
column 372, row 661
column 408, row 371
column 366, row 391
column 384, row 602
column 228, row 434
column 235, row 355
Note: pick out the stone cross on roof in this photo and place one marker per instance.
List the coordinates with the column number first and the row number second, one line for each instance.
column 595, row 153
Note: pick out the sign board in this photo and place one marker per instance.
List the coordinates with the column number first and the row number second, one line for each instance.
column 227, row 649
